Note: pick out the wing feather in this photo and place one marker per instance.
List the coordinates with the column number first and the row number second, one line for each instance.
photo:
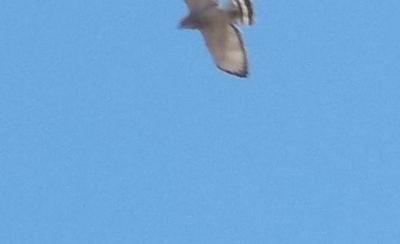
column 225, row 44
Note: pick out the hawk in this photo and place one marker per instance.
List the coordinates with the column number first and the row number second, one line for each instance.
column 219, row 27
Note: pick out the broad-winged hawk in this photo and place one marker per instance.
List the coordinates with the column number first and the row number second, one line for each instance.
column 219, row 27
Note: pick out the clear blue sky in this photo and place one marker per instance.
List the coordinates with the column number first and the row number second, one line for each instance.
column 115, row 126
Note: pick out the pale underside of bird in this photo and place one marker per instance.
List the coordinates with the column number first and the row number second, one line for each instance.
column 219, row 27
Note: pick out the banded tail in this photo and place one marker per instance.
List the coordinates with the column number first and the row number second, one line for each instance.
column 245, row 11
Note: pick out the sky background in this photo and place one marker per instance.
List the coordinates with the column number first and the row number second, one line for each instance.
column 116, row 127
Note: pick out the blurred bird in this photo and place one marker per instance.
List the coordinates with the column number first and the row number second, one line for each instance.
column 219, row 27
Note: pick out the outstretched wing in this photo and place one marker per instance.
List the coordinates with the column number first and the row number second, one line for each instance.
column 200, row 4
column 225, row 44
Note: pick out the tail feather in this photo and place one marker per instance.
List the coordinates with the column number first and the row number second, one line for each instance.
column 245, row 11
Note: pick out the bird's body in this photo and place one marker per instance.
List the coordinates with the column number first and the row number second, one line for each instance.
column 203, row 18
column 220, row 31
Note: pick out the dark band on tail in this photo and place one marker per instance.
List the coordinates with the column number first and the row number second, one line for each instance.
column 239, row 6
column 246, row 12
column 250, row 11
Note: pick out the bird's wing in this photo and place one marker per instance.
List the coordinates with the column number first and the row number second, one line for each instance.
column 225, row 44
column 200, row 4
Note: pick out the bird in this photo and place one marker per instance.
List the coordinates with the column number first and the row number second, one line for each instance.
column 219, row 27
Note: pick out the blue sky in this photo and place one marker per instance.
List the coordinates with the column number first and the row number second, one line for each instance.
column 115, row 126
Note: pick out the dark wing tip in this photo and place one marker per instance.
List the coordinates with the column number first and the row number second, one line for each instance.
column 241, row 74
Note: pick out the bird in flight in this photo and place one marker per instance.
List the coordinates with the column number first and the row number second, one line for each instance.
column 219, row 27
